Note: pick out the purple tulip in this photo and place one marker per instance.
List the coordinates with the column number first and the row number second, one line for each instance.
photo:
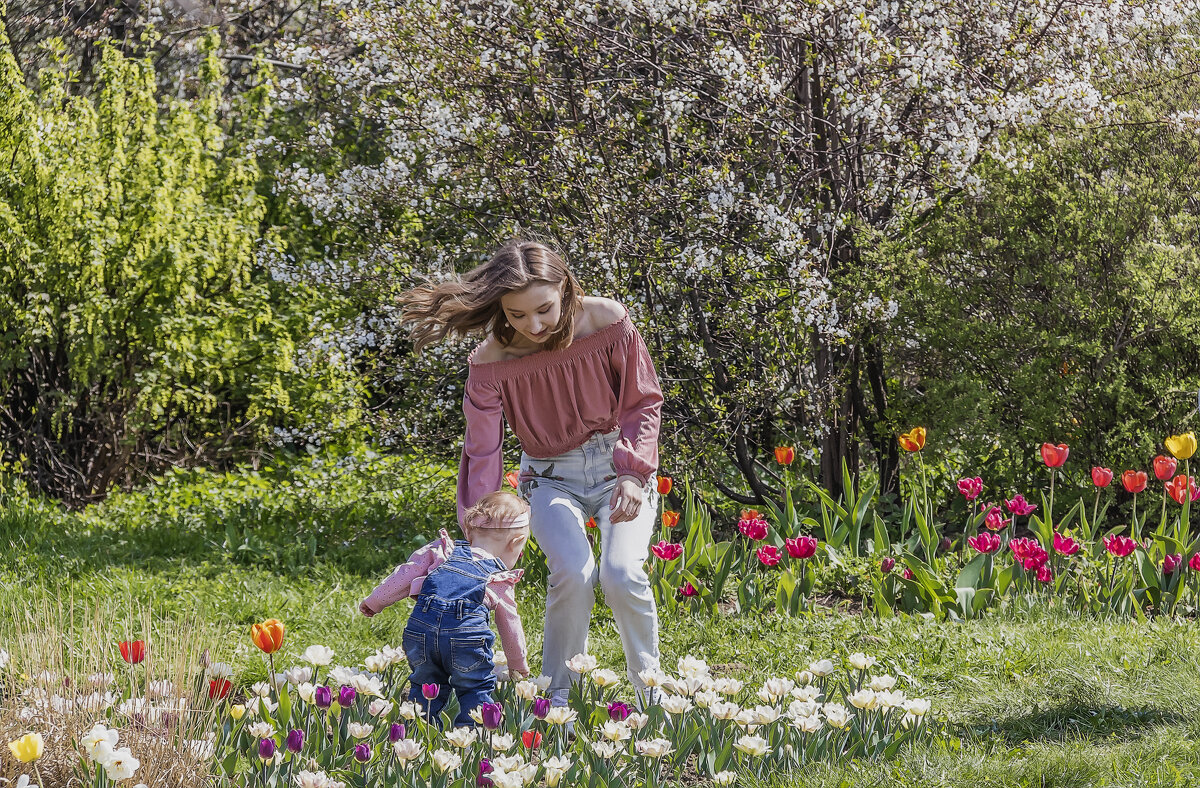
column 540, row 707
column 618, row 710
column 295, row 740
column 346, row 696
column 396, row 733
column 492, row 714
column 323, row 696
column 485, row 767
column 430, row 691
column 362, row 752
column 266, row 749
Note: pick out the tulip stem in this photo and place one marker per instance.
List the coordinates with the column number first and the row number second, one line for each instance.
column 1050, row 514
column 1095, row 510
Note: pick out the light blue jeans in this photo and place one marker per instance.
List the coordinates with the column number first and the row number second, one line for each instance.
column 563, row 493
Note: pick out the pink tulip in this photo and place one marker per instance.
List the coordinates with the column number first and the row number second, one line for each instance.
column 907, row 573
column 970, row 487
column 1120, row 546
column 995, row 520
column 985, row 543
column 1065, row 545
column 889, row 563
column 755, row 529
column 667, row 551
column 1102, row 477
column 1194, row 564
column 1019, row 506
column 1028, row 552
column 687, row 589
column 801, row 546
column 1044, row 574
column 769, row 555
column 1171, row 563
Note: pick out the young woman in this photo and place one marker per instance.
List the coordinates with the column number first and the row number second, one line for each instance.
column 572, row 376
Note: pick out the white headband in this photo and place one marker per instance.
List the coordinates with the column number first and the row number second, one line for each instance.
column 520, row 521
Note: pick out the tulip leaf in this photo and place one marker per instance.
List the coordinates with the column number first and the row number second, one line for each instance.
column 882, row 545
column 285, row 707
column 970, row 574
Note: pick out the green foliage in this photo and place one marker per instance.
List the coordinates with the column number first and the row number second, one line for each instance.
column 139, row 326
column 1061, row 305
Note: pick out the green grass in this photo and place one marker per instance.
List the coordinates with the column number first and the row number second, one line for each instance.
column 1040, row 698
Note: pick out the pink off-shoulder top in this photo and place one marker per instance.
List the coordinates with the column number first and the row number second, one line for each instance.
column 555, row 399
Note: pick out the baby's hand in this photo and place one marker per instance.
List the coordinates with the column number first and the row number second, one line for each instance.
column 365, row 609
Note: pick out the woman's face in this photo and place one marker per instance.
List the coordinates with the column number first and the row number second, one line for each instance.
column 534, row 311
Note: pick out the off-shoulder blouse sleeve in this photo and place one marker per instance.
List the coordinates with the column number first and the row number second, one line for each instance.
column 481, row 468
column 639, row 408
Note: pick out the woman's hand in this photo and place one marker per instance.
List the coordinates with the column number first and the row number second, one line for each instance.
column 626, row 499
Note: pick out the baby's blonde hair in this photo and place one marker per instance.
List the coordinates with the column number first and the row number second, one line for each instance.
column 488, row 523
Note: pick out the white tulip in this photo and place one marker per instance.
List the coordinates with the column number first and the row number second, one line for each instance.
column 446, row 761
column 462, row 737
column 582, row 663
column 882, row 683
column 755, row 746
column 653, row 748
column 821, row 668
column 318, row 655
column 605, row 677
column 860, row 661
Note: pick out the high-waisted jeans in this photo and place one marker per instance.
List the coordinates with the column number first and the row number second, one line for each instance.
column 563, row 493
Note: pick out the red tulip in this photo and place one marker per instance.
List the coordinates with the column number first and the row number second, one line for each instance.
column 785, row 455
column 1134, row 481
column 665, row 483
column 667, row 551
column 1120, row 546
column 1102, row 477
column 219, row 688
column 512, row 477
column 769, row 555
column 591, row 523
column 531, row 739
column 1065, row 545
column 970, row 488
column 1182, row 488
column 1054, row 456
column 753, row 529
column 1164, row 467
column 687, row 589
column 907, row 573
column 670, row 519
column 132, row 651
column 801, row 546
column 985, row 542
column 1171, row 563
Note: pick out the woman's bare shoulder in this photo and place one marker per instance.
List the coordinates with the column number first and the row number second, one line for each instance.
column 598, row 313
column 487, row 351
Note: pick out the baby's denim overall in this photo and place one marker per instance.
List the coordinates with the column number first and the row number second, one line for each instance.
column 448, row 638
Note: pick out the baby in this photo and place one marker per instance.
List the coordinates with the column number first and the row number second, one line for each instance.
column 448, row 640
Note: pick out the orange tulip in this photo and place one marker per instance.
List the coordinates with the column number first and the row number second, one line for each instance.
column 913, row 440
column 512, row 477
column 664, row 485
column 785, row 455
column 751, row 514
column 670, row 519
column 591, row 523
column 268, row 635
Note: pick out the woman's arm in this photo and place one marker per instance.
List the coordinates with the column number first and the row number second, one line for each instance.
column 481, row 468
column 639, row 409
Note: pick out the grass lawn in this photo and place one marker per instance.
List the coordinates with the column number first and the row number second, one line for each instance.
column 1038, row 698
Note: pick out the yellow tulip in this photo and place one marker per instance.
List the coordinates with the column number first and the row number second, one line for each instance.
column 28, row 748
column 1182, row 446
column 237, row 711
column 913, row 440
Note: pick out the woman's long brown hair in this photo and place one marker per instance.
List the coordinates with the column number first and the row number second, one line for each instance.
column 471, row 302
